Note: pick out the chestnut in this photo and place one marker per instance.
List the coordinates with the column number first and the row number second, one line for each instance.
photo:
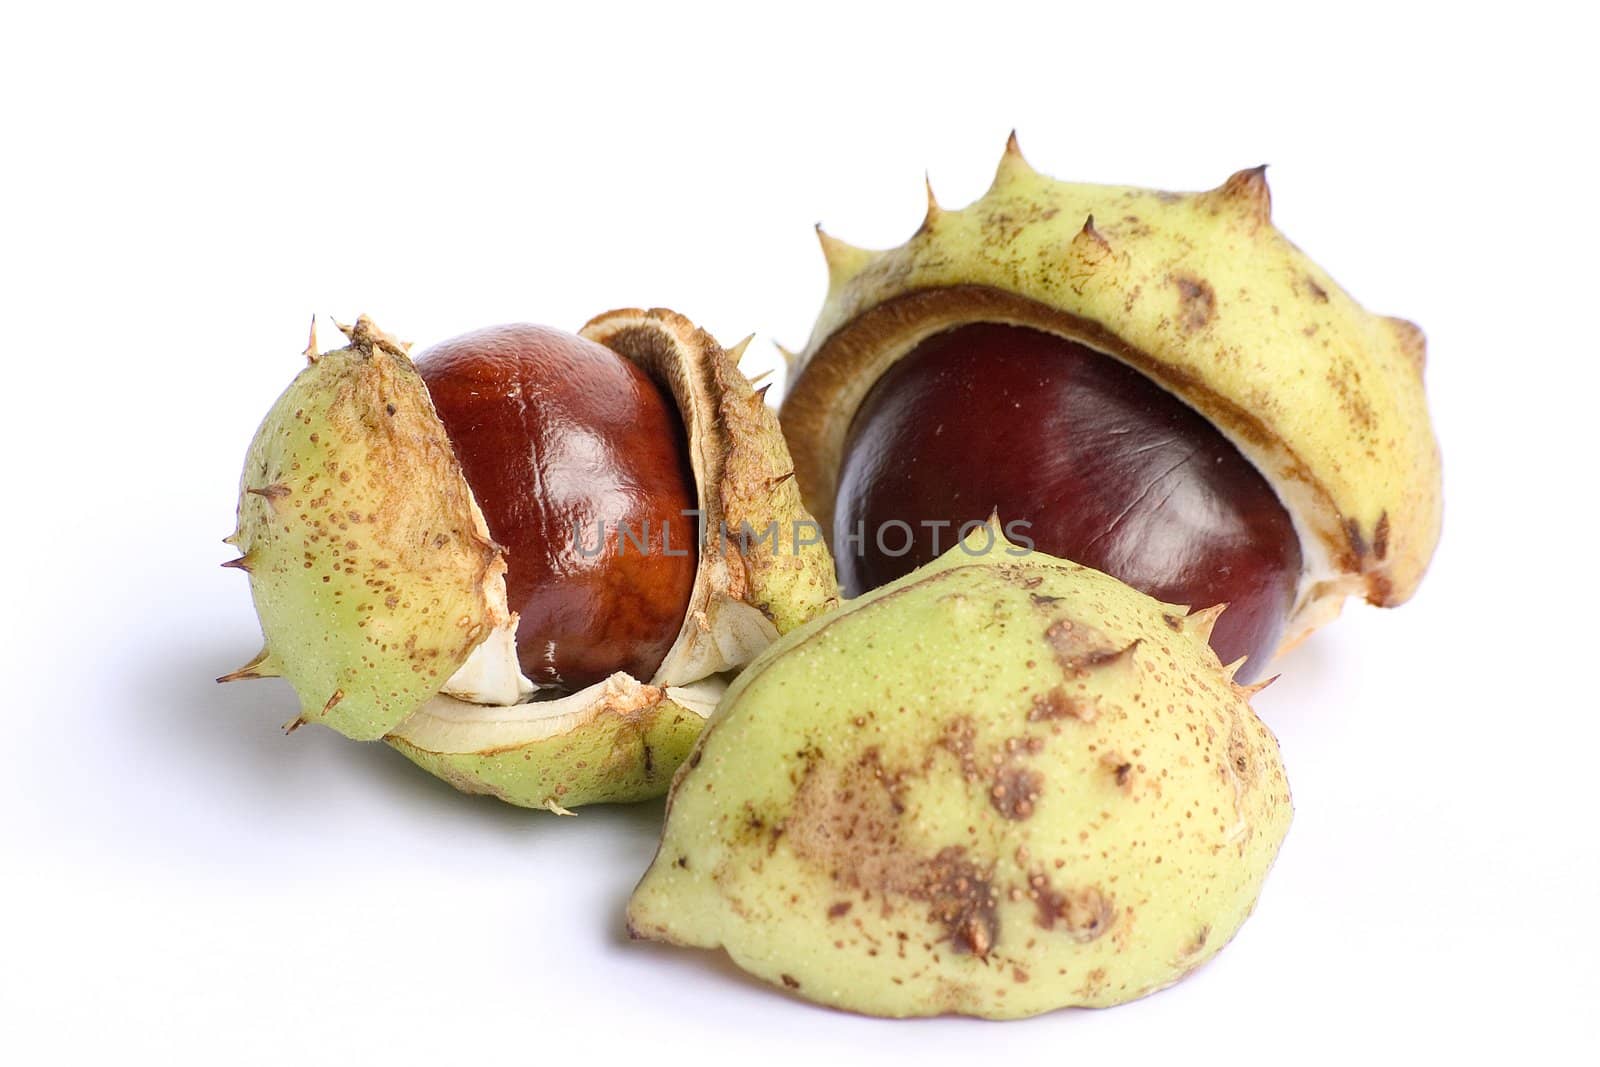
column 1155, row 384
column 580, row 463
column 1092, row 459
column 490, row 558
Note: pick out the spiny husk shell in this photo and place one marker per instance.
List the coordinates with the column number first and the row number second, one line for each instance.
column 371, row 568
column 383, row 600
column 998, row 786
column 1205, row 296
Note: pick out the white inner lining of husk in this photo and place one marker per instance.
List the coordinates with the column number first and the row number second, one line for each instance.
column 445, row 724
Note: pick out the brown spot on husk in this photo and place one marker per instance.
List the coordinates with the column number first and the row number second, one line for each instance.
column 1197, row 301
column 1121, row 769
column 1056, row 704
column 1239, row 757
column 1345, row 381
column 1016, row 789
column 1013, row 788
column 1083, row 914
column 1358, row 543
column 1093, row 983
column 1080, row 648
column 960, row 740
column 963, row 901
column 472, row 784
column 847, row 821
column 1193, row 953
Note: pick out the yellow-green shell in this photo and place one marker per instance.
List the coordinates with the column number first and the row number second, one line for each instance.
column 1200, row 292
column 369, row 563
column 999, row 786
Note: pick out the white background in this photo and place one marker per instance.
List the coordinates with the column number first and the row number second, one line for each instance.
column 180, row 188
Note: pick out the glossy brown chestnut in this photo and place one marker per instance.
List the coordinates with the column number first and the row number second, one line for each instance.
column 1107, row 468
column 562, row 439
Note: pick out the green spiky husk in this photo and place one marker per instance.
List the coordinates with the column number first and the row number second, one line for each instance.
column 1200, row 292
column 369, row 564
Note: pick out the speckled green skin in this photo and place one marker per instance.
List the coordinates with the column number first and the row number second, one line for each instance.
column 369, row 564
column 996, row 787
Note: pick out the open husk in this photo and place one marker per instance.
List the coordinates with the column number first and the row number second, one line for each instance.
column 382, row 597
column 1202, row 294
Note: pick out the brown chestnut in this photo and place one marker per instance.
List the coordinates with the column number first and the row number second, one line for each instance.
column 579, row 462
column 1076, row 452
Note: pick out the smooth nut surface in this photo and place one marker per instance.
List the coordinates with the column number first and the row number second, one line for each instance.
column 580, row 464
column 1091, row 459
